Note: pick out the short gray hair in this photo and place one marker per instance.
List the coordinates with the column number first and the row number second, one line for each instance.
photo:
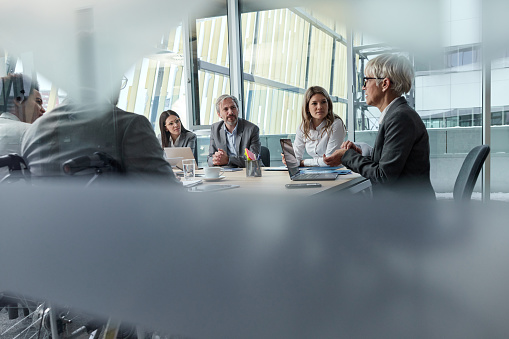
column 397, row 68
column 222, row 98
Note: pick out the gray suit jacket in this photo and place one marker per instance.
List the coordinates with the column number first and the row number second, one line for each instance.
column 71, row 131
column 188, row 139
column 400, row 159
column 248, row 136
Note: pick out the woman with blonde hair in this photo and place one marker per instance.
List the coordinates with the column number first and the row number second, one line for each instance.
column 321, row 131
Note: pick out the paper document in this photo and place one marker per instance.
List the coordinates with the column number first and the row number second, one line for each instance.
column 191, row 183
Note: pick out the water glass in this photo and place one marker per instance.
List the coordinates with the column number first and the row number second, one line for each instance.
column 188, row 168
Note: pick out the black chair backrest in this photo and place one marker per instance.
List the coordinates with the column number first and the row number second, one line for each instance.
column 469, row 172
column 265, row 156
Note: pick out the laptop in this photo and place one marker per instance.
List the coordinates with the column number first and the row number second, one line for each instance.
column 293, row 165
column 175, row 155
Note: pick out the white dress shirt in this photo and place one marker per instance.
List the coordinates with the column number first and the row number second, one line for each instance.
column 230, row 139
column 319, row 144
column 11, row 134
column 382, row 116
column 172, row 144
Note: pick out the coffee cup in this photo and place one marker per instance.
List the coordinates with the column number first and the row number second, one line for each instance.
column 213, row 172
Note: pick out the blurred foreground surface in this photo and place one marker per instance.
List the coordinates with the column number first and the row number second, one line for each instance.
column 230, row 266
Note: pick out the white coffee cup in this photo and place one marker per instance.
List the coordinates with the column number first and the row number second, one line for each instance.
column 213, row 172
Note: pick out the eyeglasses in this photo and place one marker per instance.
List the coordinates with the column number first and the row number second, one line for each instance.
column 174, row 122
column 365, row 80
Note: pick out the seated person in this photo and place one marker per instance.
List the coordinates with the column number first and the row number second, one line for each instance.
column 321, row 132
column 229, row 137
column 74, row 130
column 20, row 105
column 399, row 162
column 173, row 134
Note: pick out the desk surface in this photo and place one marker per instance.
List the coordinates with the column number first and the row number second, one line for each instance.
column 273, row 182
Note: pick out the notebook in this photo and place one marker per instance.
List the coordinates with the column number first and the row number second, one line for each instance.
column 293, row 165
column 175, row 155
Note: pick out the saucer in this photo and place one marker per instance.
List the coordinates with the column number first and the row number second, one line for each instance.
column 221, row 177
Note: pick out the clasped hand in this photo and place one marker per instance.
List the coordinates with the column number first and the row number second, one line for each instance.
column 335, row 158
column 220, row 158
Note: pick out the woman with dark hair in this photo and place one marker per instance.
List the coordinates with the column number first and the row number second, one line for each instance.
column 321, row 131
column 173, row 134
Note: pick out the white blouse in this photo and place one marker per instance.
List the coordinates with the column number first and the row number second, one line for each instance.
column 319, row 144
column 172, row 144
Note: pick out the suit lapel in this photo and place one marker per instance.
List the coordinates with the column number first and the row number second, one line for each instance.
column 222, row 137
column 377, row 153
column 181, row 140
column 238, row 139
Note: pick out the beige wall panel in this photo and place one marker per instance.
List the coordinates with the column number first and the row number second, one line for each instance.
column 248, row 26
column 263, row 108
column 269, row 50
column 278, row 57
column 303, row 53
column 214, row 35
column 209, row 99
column 255, row 114
column 133, row 89
column 294, row 112
column 220, row 55
column 205, row 38
column 279, row 110
column 201, row 79
column 163, row 94
column 255, row 105
column 274, row 116
column 340, row 78
column 178, row 83
column 149, row 85
column 53, row 94
column 171, row 40
column 291, row 50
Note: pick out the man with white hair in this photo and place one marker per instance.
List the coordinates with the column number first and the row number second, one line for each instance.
column 399, row 162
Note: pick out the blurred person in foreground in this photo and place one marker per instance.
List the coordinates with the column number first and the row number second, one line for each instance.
column 399, row 162
column 79, row 130
column 173, row 134
column 229, row 137
column 20, row 105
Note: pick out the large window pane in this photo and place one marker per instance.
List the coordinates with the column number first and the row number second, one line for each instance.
column 213, row 65
column 157, row 82
column 285, row 52
column 500, row 124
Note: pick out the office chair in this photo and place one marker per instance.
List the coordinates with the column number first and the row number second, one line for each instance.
column 265, row 156
column 469, row 172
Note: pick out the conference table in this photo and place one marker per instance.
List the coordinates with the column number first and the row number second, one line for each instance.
column 274, row 181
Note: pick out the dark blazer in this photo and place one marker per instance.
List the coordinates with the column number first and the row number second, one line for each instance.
column 71, row 131
column 400, row 159
column 248, row 136
column 188, row 139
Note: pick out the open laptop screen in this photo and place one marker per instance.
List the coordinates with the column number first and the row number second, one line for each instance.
column 291, row 161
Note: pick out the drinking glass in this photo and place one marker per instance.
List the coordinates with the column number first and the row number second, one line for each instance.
column 188, row 168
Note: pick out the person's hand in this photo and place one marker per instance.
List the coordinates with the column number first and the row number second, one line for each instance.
column 220, row 158
column 283, row 159
column 335, row 158
column 350, row 145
